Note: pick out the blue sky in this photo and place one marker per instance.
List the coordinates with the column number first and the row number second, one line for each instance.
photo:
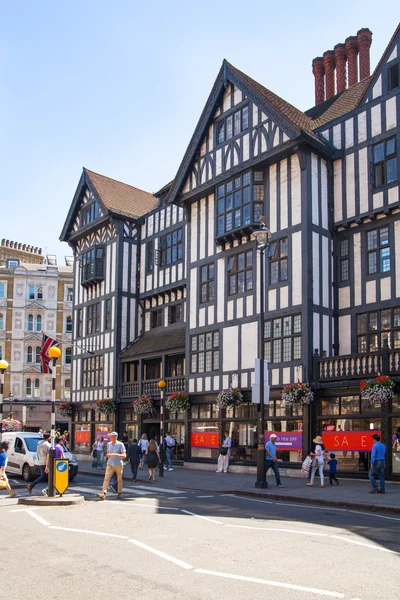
column 118, row 87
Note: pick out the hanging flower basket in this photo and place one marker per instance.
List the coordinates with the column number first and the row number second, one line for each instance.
column 65, row 409
column 380, row 389
column 106, row 407
column 11, row 425
column 229, row 397
column 297, row 393
column 178, row 402
column 143, row 405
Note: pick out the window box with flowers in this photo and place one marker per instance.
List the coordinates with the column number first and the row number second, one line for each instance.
column 11, row 425
column 380, row 389
column 143, row 405
column 229, row 397
column 297, row 393
column 65, row 409
column 178, row 402
column 107, row 406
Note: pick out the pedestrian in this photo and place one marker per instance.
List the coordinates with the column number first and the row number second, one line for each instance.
column 170, row 444
column 271, row 460
column 134, row 455
column 115, row 455
column 143, row 443
column 224, row 454
column 318, row 457
column 4, row 483
column 153, row 457
column 42, row 451
column 332, row 469
column 58, row 447
column 378, row 455
column 98, row 453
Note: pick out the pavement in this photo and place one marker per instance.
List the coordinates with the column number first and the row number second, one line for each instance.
column 350, row 493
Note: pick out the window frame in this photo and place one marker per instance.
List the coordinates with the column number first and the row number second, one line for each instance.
column 165, row 255
column 208, row 284
column 69, row 294
column 68, row 356
column 38, row 323
column 92, row 371
column 93, row 316
column 378, row 250
column 175, row 313
column 29, row 355
column 107, row 314
column 68, row 324
column 393, row 69
column 3, row 288
column 379, row 168
column 209, row 355
column 295, row 337
column 223, row 121
column 157, row 317
column 92, row 264
column 278, row 260
column 89, row 213
column 379, row 333
column 239, row 202
column 344, row 260
column 234, row 270
column 79, row 323
column 149, row 257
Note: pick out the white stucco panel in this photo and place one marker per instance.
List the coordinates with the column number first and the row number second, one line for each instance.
column 345, row 335
column 230, row 357
column 249, row 344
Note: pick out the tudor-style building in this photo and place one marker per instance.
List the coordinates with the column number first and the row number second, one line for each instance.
column 102, row 229
column 327, row 182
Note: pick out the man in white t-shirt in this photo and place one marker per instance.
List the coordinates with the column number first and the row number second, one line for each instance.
column 115, row 454
column 170, row 444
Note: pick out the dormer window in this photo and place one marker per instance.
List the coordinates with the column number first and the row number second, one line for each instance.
column 232, row 125
column 89, row 213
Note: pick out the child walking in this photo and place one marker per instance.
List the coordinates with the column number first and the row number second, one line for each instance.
column 332, row 469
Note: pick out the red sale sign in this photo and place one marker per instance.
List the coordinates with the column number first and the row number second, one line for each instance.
column 353, row 441
column 204, row 440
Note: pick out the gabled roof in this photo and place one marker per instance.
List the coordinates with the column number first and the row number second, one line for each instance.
column 345, row 102
column 291, row 120
column 121, row 198
column 116, row 197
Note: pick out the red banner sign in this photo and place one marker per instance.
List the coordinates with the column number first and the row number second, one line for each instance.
column 205, row 440
column 82, row 437
column 350, row 441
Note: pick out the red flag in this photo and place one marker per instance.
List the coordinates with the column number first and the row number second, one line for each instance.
column 47, row 343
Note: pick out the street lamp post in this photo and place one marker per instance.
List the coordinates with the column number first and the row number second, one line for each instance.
column 54, row 353
column 3, row 369
column 161, row 385
column 262, row 235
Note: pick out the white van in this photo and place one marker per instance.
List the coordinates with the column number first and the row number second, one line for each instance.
column 22, row 457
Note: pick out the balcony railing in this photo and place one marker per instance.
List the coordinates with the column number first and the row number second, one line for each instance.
column 353, row 366
column 150, row 387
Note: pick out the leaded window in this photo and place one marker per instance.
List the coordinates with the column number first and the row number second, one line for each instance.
column 283, row 339
column 92, row 371
column 240, row 202
column 207, row 283
column 204, row 352
column 240, row 273
column 376, row 328
column 232, row 125
column 89, row 213
column 93, row 318
column 107, row 319
column 92, row 264
column 384, row 161
column 79, row 320
column 279, row 262
column 157, row 318
column 378, row 251
column 344, row 262
column 171, row 248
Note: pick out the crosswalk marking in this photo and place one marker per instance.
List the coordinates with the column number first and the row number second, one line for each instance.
column 92, row 491
column 157, row 489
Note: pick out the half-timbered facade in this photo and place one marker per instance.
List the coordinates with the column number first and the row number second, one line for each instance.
column 102, row 229
column 327, row 182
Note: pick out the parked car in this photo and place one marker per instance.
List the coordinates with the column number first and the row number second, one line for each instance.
column 22, row 457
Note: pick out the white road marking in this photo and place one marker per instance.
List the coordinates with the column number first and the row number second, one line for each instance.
column 38, row 518
column 102, row 533
column 157, row 489
column 133, row 503
column 311, row 506
column 250, row 499
column 358, row 512
column 25, row 509
column 176, row 497
column 372, row 547
column 289, row 586
column 279, row 530
column 92, row 491
column 204, row 496
column 187, row 512
column 168, row 557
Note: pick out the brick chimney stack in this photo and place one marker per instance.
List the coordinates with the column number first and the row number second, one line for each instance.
column 340, row 60
column 329, row 65
column 352, row 53
column 364, row 41
column 319, row 72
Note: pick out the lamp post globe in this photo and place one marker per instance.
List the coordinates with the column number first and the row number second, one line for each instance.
column 3, row 366
column 54, row 352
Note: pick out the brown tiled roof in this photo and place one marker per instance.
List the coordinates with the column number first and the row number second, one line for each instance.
column 120, row 197
column 157, row 341
column 290, row 112
column 346, row 102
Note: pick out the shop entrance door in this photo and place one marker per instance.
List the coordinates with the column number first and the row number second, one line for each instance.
column 153, row 431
